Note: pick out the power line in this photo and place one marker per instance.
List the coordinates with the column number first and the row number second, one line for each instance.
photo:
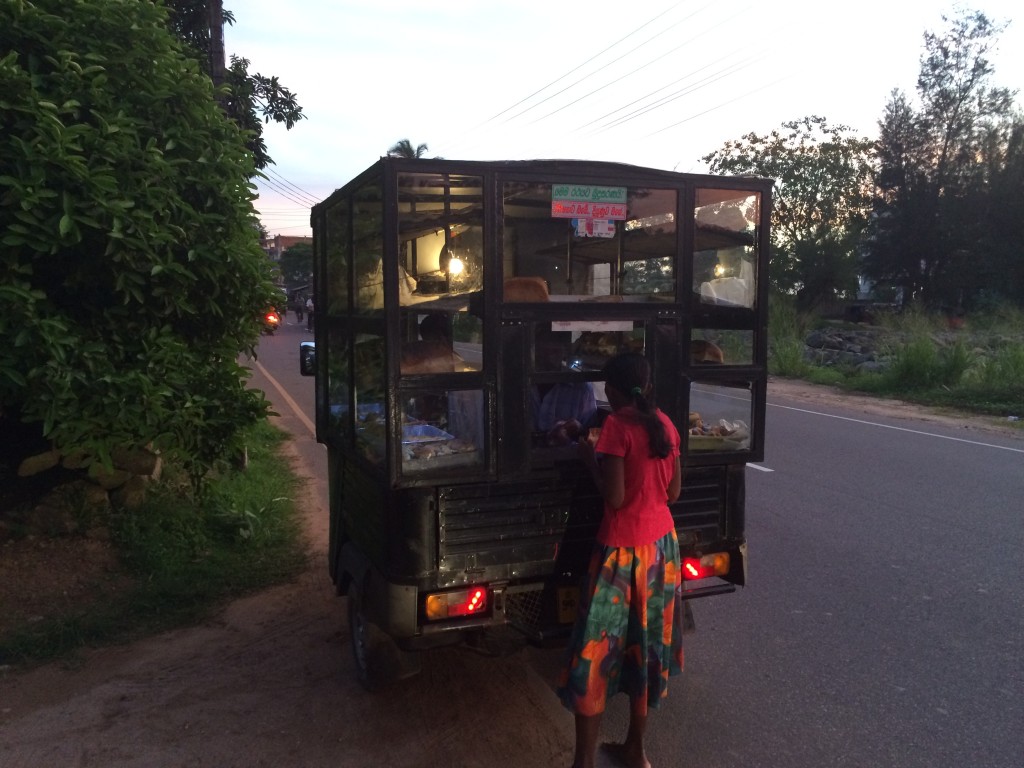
column 650, row 106
column 642, row 66
column 279, row 229
column 284, row 192
column 693, row 88
column 299, row 190
column 648, row 95
column 580, row 66
column 719, row 106
column 586, row 77
column 476, row 130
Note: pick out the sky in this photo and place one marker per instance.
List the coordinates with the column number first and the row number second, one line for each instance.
column 648, row 82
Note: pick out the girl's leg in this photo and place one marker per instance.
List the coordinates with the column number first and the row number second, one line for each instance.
column 631, row 752
column 587, row 730
column 634, row 744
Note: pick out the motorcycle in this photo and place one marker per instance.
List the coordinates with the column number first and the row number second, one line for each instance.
column 271, row 321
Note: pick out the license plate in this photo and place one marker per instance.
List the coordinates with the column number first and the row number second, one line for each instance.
column 568, row 601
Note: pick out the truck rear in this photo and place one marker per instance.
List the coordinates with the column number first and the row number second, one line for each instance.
column 460, row 305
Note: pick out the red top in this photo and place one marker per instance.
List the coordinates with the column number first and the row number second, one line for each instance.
column 644, row 516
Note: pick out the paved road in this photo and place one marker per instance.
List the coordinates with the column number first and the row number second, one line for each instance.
column 882, row 627
column 883, row 621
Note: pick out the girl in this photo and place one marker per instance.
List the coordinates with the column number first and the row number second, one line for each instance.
column 628, row 635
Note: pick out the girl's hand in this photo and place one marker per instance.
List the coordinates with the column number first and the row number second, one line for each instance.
column 585, row 448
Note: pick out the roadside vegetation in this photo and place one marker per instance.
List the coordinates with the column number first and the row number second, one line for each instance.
column 978, row 368
column 176, row 559
column 131, row 280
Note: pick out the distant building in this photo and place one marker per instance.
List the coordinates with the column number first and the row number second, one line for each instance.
column 278, row 244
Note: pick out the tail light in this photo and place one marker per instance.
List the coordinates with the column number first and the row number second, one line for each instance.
column 273, row 317
column 715, row 564
column 463, row 602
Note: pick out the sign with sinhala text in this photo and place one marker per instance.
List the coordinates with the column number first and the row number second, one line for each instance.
column 587, row 201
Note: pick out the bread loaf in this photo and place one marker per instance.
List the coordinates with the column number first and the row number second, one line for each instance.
column 705, row 352
column 525, row 289
column 428, row 357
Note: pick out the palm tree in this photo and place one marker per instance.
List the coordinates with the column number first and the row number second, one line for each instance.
column 404, row 149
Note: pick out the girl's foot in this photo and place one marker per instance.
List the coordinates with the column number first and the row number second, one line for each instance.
column 625, row 755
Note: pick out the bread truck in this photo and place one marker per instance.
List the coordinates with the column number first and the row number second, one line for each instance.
column 453, row 298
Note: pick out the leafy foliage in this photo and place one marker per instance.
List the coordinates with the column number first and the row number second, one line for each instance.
column 404, row 148
column 177, row 560
column 130, row 275
column 250, row 99
column 296, row 264
column 822, row 197
column 946, row 225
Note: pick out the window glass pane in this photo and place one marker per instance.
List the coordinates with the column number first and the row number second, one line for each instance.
column 368, row 247
column 441, row 271
column 370, row 382
column 440, row 342
column 720, row 417
column 442, row 429
column 725, row 242
column 338, row 381
column 562, row 402
column 565, row 242
column 721, row 347
column 338, row 254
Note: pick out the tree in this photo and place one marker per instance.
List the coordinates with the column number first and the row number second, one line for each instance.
column 822, row 196
column 404, row 148
column 130, row 273
column 1003, row 240
column 296, row 264
column 251, row 99
column 937, row 162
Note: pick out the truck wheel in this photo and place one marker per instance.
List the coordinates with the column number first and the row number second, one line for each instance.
column 369, row 644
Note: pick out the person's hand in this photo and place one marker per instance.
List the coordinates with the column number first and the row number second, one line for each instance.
column 585, row 449
column 564, row 432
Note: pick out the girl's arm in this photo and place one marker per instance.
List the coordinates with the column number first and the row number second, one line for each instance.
column 609, row 476
column 676, row 483
column 614, row 472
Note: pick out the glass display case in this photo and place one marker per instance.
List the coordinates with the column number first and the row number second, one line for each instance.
column 466, row 329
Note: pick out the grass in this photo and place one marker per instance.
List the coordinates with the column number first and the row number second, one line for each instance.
column 924, row 367
column 182, row 559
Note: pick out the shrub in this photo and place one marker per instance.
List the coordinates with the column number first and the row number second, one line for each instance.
column 130, row 274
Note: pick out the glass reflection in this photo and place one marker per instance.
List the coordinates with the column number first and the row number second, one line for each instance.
column 720, row 417
column 559, row 247
column 725, row 243
column 721, row 347
column 370, row 384
column 442, row 429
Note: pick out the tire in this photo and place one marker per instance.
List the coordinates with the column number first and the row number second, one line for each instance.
column 378, row 661
column 369, row 644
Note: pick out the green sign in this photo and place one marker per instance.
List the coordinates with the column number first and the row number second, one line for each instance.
column 588, row 193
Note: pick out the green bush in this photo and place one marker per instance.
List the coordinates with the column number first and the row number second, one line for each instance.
column 927, row 363
column 130, row 273
column 921, row 364
column 786, row 358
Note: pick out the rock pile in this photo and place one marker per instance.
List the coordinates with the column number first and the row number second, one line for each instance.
column 87, row 490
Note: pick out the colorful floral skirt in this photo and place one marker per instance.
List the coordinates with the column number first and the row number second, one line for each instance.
column 628, row 636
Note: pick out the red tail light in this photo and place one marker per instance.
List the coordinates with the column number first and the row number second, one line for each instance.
column 273, row 317
column 464, row 602
column 715, row 564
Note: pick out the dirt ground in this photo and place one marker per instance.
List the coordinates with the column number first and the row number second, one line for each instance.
column 269, row 681
column 877, row 406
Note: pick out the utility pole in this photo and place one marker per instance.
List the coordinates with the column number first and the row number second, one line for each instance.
column 216, row 11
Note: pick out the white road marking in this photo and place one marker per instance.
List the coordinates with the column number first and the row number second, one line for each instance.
column 898, row 429
column 288, row 399
column 759, row 468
